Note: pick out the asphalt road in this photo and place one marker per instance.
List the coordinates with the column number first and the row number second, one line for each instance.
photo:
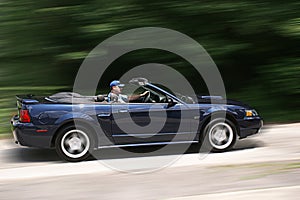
column 266, row 166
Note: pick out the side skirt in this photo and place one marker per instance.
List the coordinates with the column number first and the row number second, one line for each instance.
column 146, row 144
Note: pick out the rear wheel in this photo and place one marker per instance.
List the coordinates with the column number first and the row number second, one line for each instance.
column 74, row 143
column 219, row 135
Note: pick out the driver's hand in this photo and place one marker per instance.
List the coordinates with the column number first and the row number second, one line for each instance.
column 143, row 94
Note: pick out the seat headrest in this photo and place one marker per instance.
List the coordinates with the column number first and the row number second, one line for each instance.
column 100, row 98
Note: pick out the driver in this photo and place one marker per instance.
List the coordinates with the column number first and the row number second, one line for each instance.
column 116, row 96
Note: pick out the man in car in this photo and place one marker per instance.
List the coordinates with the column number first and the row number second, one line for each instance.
column 116, row 96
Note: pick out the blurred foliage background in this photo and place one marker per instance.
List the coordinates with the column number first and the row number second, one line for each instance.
column 255, row 45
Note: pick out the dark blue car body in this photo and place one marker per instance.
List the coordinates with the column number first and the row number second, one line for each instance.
column 48, row 118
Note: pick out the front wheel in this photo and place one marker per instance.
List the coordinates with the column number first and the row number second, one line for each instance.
column 219, row 135
column 74, row 143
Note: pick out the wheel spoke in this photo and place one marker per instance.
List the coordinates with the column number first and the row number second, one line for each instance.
column 82, row 147
column 69, row 149
column 66, row 142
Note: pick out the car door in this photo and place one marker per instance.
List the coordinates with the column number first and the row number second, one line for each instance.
column 150, row 122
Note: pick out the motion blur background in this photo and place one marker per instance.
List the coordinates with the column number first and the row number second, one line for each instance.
column 255, row 45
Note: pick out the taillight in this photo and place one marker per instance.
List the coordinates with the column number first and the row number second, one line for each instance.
column 24, row 116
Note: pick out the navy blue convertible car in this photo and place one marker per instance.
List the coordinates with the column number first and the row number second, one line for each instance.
column 76, row 125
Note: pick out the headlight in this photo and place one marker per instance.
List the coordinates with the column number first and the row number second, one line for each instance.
column 251, row 113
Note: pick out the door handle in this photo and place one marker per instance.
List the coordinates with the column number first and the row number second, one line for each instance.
column 103, row 114
column 123, row 111
column 196, row 117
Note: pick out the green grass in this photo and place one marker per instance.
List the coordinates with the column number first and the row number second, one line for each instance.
column 6, row 136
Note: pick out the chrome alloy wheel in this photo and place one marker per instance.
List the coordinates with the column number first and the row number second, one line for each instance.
column 220, row 135
column 75, row 143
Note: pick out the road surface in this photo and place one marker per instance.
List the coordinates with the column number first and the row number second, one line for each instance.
column 266, row 166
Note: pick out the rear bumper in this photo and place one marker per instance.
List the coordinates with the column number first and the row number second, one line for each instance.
column 250, row 126
column 25, row 134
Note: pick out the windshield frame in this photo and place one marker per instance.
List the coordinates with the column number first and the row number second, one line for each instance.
column 163, row 91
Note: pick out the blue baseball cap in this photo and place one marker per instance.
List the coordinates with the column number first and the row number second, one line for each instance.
column 116, row 83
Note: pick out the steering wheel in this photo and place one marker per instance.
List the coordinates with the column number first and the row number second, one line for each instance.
column 147, row 97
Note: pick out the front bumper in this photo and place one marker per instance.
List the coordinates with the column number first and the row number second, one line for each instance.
column 25, row 134
column 250, row 126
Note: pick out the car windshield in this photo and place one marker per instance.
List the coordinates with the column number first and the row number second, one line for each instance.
column 185, row 98
column 156, row 94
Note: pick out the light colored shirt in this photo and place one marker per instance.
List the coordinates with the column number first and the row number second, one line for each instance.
column 120, row 98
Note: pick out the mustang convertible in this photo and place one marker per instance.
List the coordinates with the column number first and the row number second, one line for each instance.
column 76, row 125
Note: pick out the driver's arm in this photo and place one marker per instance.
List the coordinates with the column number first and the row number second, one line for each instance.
column 135, row 97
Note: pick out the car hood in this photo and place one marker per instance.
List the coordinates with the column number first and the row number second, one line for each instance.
column 220, row 100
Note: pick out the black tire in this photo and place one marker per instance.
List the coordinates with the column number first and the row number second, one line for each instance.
column 74, row 143
column 219, row 135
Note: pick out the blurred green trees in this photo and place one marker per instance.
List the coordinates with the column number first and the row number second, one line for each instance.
column 255, row 44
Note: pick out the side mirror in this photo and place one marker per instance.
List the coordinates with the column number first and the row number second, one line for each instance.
column 171, row 103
